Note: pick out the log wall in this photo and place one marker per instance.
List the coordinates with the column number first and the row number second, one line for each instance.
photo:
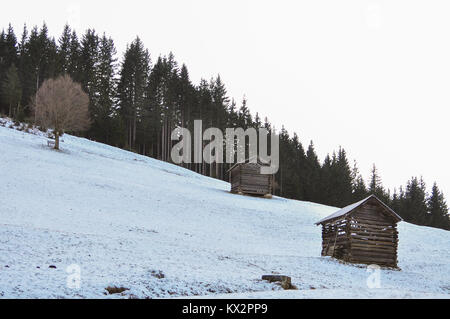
column 247, row 179
column 335, row 241
column 366, row 236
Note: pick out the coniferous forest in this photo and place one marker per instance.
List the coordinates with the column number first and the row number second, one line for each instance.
column 138, row 99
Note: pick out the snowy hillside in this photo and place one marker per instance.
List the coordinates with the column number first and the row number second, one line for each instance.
column 163, row 231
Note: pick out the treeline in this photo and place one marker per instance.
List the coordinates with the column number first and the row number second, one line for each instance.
column 136, row 102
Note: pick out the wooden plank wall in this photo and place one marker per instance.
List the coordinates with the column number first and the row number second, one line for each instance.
column 246, row 178
column 335, row 242
column 373, row 236
column 366, row 236
column 235, row 179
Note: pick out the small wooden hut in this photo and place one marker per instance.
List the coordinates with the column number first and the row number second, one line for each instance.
column 246, row 178
column 362, row 233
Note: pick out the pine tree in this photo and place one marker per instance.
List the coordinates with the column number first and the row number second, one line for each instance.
column 31, row 53
column 257, row 122
column 104, row 116
column 187, row 96
column 8, row 57
column 2, row 50
column 396, row 201
column 220, row 103
column 64, row 51
column 438, row 209
column 325, row 181
column 132, row 87
column 232, row 115
column 413, row 204
column 165, row 106
column 312, row 178
column 344, row 180
column 49, row 57
column 24, row 69
column 205, row 113
column 74, row 63
column 358, row 185
column 297, row 169
column 88, row 66
column 376, row 186
column 244, row 115
column 2, row 68
column 37, row 61
column 154, row 108
column 12, row 92
column 375, row 181
column 280, row 177
column 188, row 104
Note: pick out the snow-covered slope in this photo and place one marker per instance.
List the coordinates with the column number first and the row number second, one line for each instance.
column 126, row 219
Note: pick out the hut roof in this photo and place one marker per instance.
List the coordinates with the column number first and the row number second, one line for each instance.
column 259, row 161
column 347, row 210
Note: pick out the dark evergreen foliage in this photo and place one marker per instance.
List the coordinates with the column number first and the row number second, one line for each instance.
column 136, row 105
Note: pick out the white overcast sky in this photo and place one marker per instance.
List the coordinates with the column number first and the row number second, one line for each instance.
column 371, row 76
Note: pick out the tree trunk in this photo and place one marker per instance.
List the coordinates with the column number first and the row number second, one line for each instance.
column 163, row 141
column 56, row 141
column 18, row 110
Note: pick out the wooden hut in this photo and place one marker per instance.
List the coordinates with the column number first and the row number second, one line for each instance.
column 246, row 178
column 362, row 233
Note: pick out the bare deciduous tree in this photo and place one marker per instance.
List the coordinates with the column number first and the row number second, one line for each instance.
column 62, row 105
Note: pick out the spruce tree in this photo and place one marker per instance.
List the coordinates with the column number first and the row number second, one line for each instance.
column 257, row 122
column 3, row 108
column 8, row 57
column 104, row 116
column 359, row 189
column 132, row 87
column 154, row 107
column 325, row 181
column 376, row 186
column 88, row 65
column 414, row 204
column 297, row 169
column 220, row 103
column 312, row 178
column 438, row 209
column 31, row 53
column 74, row 65
column 244, row 115
column 344, row 189
column 37, row 61
column 24, row 70
column 64, row 51
column 396, row 202
column 12, row 92
column 49, row 57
